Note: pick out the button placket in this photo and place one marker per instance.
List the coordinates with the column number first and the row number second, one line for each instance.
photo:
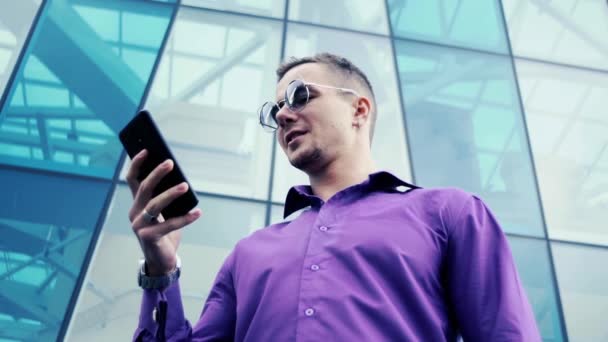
column 309, row 295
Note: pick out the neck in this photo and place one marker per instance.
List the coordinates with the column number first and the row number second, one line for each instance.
column 340, row 174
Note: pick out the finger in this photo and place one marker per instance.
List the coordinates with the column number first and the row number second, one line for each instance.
column 158, row 230
column 146, row 187
column 134, row 170
column 179, row 222
column 156, row 205
column 160, row 202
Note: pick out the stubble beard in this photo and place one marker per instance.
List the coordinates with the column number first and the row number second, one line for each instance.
column 308, row 160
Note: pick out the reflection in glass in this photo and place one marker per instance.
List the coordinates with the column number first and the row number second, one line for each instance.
column 362, row 15
column 205, row 97
column 566, row 31
column 569, row 138
column 374, row 56
column 466, row 129
column 271, row 8
column 467, row 23
column 15, row 22
column 108, row 307
column 582, row 278
column 65, row 116
column 534, row 269
column 43, row 245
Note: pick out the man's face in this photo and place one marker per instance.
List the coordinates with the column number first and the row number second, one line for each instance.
column 314, row 136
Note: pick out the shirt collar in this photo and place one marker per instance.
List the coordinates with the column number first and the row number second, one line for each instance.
column 301, row 196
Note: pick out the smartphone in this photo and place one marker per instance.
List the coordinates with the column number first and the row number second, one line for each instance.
column 142, row 133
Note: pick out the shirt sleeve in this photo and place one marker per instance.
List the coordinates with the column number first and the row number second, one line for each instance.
column 162, row 312
column 484, row 287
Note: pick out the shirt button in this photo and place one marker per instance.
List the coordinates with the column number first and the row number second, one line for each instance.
column 323, row 228
column 314, row 267
column 309, row 312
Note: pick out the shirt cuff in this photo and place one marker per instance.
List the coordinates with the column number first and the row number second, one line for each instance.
column 175, row 310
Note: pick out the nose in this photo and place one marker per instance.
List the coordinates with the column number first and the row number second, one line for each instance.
column 285, row 116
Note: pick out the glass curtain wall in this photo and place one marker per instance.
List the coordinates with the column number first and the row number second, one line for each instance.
column 502, row 98
column 465, row 99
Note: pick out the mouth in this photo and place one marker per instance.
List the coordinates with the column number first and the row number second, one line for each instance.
column 293, row 136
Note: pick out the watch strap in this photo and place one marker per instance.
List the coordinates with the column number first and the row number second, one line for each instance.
column 159, row 282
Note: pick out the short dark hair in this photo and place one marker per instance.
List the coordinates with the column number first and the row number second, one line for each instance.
column 340, row 65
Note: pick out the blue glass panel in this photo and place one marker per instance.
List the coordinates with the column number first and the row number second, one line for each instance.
column 362, row 15
column 582, row 278
column 468, row 23
column 82, row 77
column 569, row 139
column 466, row 129
column 273, row 8
column 16, row 18
column 567, row 31
column 44, row 242
column 532, row 261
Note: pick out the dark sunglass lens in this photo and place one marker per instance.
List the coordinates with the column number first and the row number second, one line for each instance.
column 273, row 114
column 296, row 95
column 268, row 114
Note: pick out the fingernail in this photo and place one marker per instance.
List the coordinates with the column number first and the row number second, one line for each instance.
column 182, row 186
column 195, row 213
column 167, row 163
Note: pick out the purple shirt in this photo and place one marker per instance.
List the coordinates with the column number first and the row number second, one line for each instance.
column 373, row 263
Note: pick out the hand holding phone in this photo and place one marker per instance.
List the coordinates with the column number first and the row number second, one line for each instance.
column 158, row 187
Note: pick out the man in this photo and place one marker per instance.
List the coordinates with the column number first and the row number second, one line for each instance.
column 363, row 260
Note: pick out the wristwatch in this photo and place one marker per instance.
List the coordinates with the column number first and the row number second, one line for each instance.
column 147, row 282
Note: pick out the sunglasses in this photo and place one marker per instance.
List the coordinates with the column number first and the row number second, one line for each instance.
column 296, row 98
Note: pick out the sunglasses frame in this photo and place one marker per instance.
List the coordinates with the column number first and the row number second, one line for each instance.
column 285, row 101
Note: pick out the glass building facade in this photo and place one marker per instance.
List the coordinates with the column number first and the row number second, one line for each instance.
column 506, row 99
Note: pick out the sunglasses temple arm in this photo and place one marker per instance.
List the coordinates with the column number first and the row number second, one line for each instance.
column 331, row 87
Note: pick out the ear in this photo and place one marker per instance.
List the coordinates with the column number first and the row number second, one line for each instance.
column 363, row 110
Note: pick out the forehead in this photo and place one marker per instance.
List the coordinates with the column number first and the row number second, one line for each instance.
column 310, row 72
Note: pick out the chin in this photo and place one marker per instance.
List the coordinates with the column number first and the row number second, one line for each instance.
column 306, row 160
